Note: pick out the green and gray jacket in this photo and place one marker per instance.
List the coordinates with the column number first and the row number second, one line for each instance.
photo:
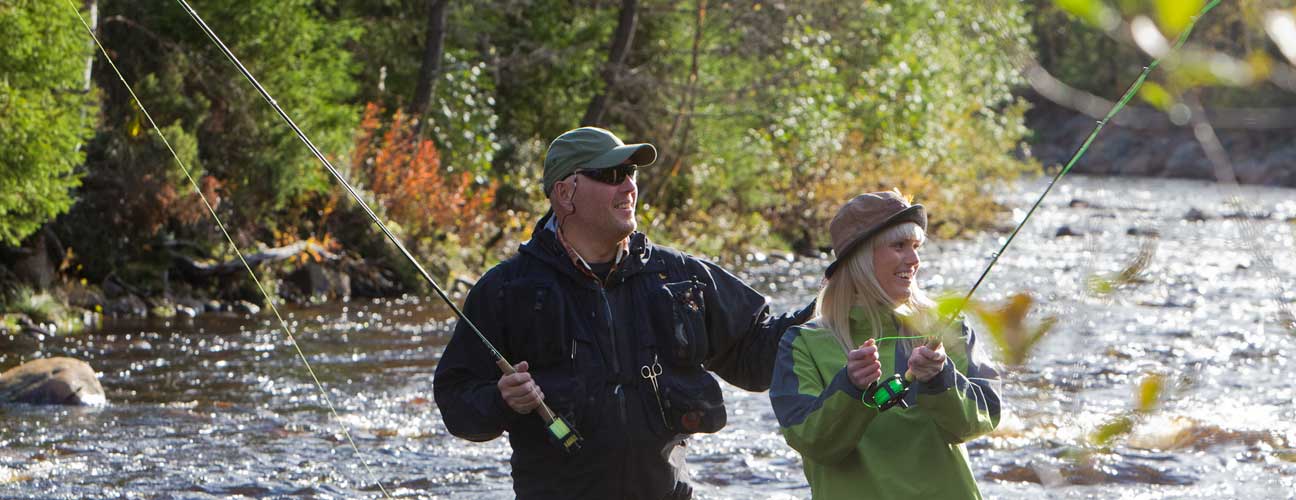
column 853, row 451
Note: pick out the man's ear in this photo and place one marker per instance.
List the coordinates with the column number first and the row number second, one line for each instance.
column 561, row 198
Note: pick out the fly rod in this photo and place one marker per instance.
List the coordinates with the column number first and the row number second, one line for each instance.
column 559, row 430
column 890, row 392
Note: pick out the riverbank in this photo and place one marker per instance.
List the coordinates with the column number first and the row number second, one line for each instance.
column 40, row 300
column 1148, row 145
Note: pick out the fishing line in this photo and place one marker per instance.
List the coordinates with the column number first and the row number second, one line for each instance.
column 283, row 324
column 1214, row 149
column 562, row 433
column 1129, row 94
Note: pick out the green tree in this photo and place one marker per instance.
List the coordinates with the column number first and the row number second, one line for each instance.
column 45, row 114
column 268, row 185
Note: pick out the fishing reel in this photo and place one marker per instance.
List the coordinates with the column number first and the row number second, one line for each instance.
column 565, row 436
column 884, row 394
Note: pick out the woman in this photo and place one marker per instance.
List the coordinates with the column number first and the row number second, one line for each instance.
column 849, row 447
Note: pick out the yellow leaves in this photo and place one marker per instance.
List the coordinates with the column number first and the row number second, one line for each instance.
column 1175, row 15
column 1009, row 328
column 1147, row 397
column 1157, row 96
column 1105, row 433
column 134, row 127
column 1149, row 393
column 1094, row 12
column 136, row 123
column 1132, row 274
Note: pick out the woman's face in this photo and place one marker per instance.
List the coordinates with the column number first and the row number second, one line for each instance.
column 896, row 267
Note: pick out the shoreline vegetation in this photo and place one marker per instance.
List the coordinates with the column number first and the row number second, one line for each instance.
column 766, row 117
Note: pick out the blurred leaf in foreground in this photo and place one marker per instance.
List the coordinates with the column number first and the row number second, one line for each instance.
column 1174, row 15
column 1007, row 323
column 1093, row 12
column 1147, row 397
column 1134, row 273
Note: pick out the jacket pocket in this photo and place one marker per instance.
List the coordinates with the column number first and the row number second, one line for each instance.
column 534, row 318
column 685, row 336
column 690, row 402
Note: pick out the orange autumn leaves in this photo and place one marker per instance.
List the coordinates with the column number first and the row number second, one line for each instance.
column 425, row 198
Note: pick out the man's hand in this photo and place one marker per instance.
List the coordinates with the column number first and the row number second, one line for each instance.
column 925, row 363
column 519, row 390
column 862, row 365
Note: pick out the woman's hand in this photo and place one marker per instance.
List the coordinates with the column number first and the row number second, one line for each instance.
column 925, row 363
column 862, row 365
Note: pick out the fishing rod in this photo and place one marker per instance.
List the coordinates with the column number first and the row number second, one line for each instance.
column 559, row 430
column 283, row 325
column 892, row 391
column 224, row 231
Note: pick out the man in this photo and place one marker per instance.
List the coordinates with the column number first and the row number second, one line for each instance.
column 613, row 333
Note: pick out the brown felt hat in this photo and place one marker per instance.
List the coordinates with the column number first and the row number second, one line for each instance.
column 866, row 215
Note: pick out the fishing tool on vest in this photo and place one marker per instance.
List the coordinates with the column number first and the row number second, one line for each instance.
column 650, row 373
column 886, row 393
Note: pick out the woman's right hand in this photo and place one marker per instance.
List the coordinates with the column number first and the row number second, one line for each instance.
column 862, row 365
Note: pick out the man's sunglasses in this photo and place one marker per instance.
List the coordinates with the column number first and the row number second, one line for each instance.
column 613, row 176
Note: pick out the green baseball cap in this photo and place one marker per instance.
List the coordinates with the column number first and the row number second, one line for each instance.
column 590, row 148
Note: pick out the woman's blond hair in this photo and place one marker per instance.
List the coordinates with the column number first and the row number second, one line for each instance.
column 856, row 284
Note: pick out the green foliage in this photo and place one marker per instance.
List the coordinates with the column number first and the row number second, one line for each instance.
column 46, row 115
column 252, row 166
column 21, row 307
column 1227, row 61
column 767, row 116
column 803, row 106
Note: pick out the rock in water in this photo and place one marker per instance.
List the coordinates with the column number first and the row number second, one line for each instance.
column 52, row 381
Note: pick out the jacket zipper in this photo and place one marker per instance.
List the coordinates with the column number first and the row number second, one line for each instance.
column 616, row 356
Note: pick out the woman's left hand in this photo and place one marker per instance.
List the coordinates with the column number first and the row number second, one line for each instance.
column 925, row 363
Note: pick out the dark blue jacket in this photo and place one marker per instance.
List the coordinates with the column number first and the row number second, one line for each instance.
column 587, row 344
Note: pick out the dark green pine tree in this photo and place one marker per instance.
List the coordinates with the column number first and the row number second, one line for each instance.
column 45, row 114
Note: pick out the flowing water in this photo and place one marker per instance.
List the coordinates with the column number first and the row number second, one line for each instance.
column 221, row 407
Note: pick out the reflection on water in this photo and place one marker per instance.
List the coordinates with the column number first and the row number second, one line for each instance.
column 220, row 406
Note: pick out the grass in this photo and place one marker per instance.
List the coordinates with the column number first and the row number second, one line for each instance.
column 41, row 308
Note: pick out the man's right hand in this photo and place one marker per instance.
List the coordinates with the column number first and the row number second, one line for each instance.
column 862, row 365
column 519, row 390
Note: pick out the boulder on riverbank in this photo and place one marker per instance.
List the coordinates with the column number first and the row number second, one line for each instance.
column 1263, row 156
column 52, row 381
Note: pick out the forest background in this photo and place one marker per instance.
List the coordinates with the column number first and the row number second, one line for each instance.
column 766, row 116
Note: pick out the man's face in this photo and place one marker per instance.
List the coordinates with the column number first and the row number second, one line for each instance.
column 604, row 211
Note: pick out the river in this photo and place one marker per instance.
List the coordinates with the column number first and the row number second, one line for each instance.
column 221, row 406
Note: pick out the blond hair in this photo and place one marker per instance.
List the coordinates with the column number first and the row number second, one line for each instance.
column 855, row 284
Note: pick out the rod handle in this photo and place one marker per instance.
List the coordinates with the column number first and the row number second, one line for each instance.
column 545, row 413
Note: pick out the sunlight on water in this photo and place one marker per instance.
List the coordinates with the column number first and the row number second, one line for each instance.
column 220, row 406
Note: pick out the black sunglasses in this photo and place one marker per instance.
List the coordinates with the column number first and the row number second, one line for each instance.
column 613, row 176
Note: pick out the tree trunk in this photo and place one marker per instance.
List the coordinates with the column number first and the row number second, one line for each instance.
column 621, row 40
column 684, row 117
column 93, row 7
column 430, row 70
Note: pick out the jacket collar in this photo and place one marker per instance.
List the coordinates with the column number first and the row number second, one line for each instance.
column 546, row 245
